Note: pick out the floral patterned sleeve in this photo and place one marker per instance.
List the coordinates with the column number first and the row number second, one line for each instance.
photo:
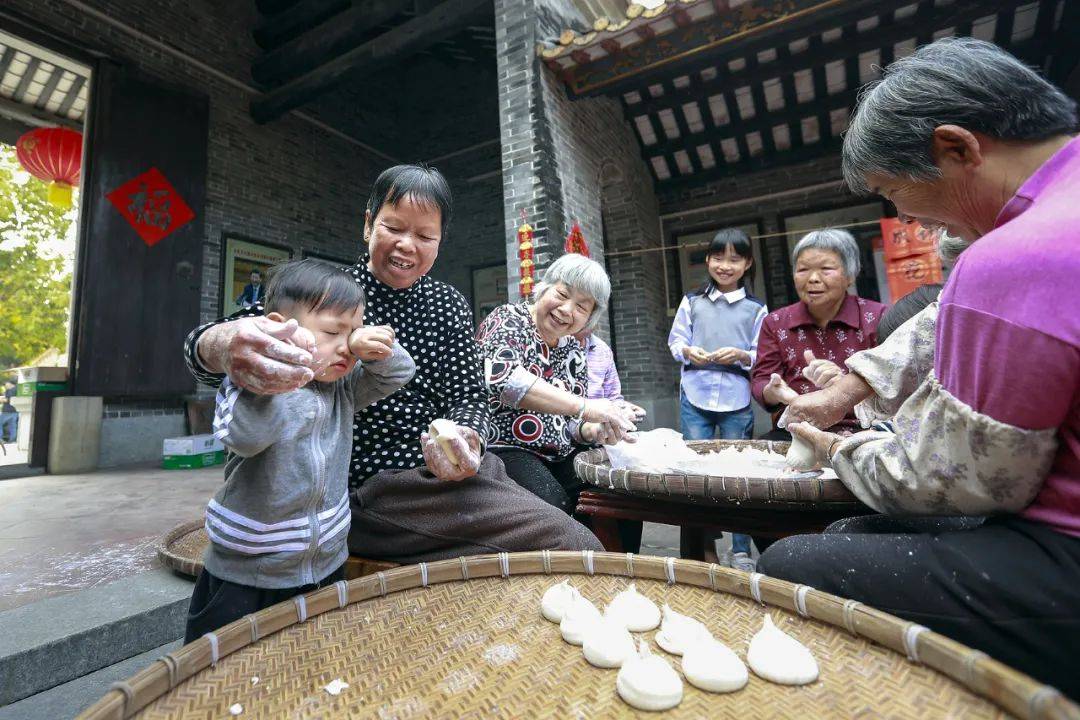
column 506, row 344
column 945, row 459
column 895, row 368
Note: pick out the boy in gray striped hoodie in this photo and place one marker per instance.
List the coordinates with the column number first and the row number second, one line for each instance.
column 278, row 527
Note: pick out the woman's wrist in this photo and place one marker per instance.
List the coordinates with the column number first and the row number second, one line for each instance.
column 832, row 446
column 580, row 414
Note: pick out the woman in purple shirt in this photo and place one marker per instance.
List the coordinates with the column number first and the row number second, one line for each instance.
column 962, row 135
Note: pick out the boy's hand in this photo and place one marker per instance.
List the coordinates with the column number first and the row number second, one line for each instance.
column 372, row 343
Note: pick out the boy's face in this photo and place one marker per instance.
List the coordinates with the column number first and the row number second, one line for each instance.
column 331, row 329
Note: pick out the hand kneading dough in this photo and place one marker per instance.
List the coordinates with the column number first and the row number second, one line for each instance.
column 443, row 431
column 801, row 455
column 556, row 599
column 637, row 612
column 780, row 658
column 648, row 682
column 579, row 616
column 607, row 644
column 712, row 666
column 678, row 631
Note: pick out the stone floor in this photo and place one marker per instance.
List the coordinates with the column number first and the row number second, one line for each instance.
column 62, row 533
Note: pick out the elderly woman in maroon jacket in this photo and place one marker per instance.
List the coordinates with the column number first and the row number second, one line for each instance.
column 803, row 346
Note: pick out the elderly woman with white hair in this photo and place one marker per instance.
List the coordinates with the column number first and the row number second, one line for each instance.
column 537, row 381
column 803, row 346
column 962, row 135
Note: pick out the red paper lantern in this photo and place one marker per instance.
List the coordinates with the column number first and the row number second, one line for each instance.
column 575, row 242
column 52, row 155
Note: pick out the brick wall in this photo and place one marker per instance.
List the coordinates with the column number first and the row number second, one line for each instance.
column 567, row 161
column 287, row 182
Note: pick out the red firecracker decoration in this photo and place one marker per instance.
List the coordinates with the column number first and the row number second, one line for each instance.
column 52, row 155
column 575, row 242
column 525, row 255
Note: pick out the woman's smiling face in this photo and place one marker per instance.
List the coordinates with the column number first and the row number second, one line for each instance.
column 562, row 311
column 403, row 240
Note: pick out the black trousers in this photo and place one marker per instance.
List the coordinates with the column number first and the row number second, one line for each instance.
column 216, row 603
column 556, row 483
column 1006, row 586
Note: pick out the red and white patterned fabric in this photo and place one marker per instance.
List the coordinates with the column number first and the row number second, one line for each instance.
column 515, row 356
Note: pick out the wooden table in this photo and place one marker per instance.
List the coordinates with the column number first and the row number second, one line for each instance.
column 700, row 523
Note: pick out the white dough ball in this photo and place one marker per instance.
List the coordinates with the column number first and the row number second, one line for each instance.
column 714, row 667
column 801, row 455
column 580, row 615
column 777, row 657
column 607, row 644
column 637, row 612
column 556, row 599
column 678, row 631
column 648, row 682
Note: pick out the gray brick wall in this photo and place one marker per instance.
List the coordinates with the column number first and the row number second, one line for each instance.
column 766, row 197
column 578, row 161
column 289, row 182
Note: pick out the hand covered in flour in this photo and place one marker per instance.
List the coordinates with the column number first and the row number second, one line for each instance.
column 777, row 391
column 455, row 455
column 822, row 373
column 372, row 343
column 821, row 441
column 636, row 413
column 825, row 408
column 259, row 354
column 605, row 434
column 619, row 416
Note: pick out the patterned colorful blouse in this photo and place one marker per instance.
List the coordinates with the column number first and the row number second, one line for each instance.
column 515, row 356
column 789, row 331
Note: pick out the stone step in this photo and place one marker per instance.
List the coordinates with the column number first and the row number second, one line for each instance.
column 54, row 641
column 71, row 698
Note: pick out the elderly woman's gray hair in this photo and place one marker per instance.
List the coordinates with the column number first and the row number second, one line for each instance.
column 582, row 274
column 839, row 241
column 949, row 248
column 954, row 81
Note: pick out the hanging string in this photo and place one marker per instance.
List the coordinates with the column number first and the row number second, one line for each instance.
column 642, row 251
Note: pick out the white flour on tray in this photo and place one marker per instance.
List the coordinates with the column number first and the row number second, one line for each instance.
column 665, row 451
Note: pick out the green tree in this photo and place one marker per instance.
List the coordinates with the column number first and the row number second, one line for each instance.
column 35, row 280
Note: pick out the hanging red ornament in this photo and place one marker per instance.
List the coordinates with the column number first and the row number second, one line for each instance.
column 52, row 155
column 525, row 255
column 575, row 242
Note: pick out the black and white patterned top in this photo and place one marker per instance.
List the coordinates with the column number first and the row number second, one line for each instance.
column 433, row 322
column 515, row 356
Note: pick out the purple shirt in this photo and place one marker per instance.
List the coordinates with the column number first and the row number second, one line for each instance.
column 603, row 377
column 1008, row 335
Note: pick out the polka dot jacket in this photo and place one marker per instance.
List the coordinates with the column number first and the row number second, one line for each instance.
column 433, row 322
column 513, row 350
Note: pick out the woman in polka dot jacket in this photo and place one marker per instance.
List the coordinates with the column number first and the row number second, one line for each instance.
column 411, row 499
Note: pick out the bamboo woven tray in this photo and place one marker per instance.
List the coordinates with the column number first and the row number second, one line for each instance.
column 182, row 548
column 799, row 492
column 464, row 639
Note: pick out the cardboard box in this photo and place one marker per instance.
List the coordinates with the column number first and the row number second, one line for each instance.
column 909, row 273
column 192, row 451
column 900, row 239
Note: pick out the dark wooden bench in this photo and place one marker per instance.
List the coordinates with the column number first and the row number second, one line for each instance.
column 699, row 523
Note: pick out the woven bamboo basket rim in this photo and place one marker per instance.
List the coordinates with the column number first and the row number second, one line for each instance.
column 983, row 676
column 799, row 492
column 181, row 550
column 175, row 559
